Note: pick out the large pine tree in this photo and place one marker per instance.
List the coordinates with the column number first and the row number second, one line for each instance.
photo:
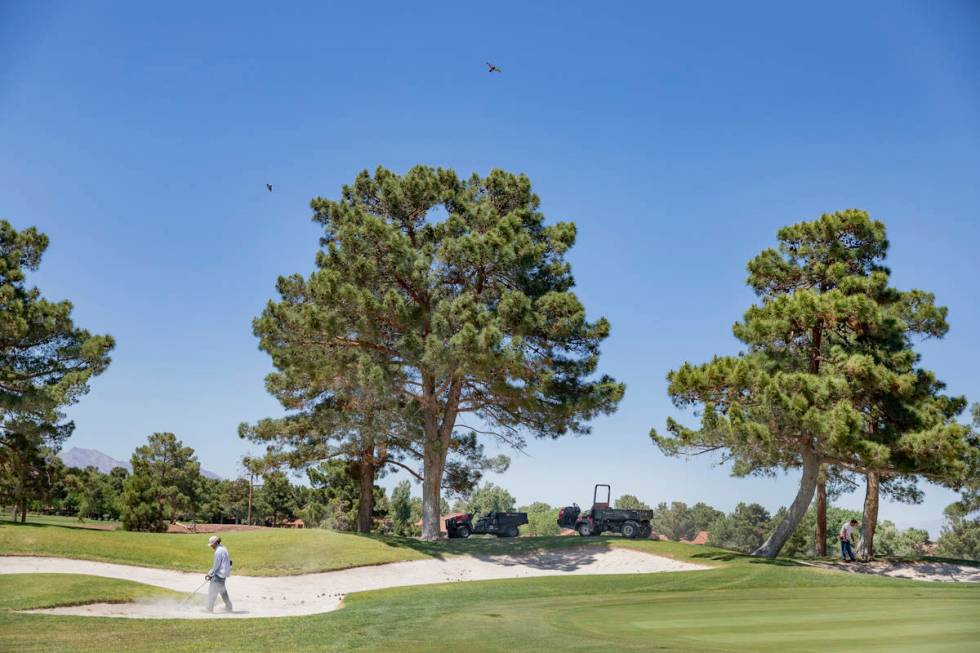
column 46, row 363
column 828, row 375
column 456, row 297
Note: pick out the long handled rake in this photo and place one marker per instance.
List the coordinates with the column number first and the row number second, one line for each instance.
column 188, row 597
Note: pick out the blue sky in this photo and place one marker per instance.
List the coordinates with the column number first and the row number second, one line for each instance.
column 678, row 138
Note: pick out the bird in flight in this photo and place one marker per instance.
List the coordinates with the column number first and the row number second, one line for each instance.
column 269, row 186
column 493, row 69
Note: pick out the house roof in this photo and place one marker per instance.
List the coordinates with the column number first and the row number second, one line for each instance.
column 700, row 538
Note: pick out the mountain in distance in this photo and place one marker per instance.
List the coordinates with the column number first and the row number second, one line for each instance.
column 82, row 458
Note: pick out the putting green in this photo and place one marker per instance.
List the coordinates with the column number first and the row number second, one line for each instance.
column 787, row 620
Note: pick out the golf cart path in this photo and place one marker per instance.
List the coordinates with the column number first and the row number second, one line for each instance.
column 282, row 596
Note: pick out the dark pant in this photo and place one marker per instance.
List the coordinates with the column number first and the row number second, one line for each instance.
column 846, row 550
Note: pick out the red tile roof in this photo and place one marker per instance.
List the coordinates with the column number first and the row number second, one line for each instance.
column 700, row 538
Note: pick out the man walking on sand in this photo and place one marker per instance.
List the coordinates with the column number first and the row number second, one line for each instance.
column 846, row 537
column 220, row 571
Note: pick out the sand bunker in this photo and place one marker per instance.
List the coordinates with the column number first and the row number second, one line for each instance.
column 945, row 572
column 281, row 596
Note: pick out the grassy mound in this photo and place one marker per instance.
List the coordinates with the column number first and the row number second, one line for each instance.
column 32, row 591
column 255, row 553
column 271, row 552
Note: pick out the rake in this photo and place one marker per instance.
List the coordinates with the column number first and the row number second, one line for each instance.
column 188, row 597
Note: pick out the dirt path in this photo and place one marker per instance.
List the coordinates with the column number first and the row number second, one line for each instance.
column 280, row 596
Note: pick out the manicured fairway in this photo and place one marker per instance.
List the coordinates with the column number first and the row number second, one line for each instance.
column 745, row 606
column 867, row 619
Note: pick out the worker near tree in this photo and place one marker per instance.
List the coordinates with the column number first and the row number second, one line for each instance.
column 220, row 571
column 846, row 537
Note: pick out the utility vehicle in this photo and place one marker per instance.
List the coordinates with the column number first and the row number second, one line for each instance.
column 603, row 518
column 501, row 524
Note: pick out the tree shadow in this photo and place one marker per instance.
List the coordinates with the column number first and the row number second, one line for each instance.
column 927, row 569
column 80, row 525
column 491, row 547
column 731, row 556
column 7, row 522
column 566, row 559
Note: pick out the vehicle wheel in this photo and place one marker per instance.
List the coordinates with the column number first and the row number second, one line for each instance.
column 463, row 532
column 631, row 529
column 645, row 531
column 513, row 532
column 585, row 529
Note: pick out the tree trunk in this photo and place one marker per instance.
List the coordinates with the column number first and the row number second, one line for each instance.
column 433, row 467
column 820, row 535
column 251, row 483
column 23, row 510
column 808, row 482
column 439, row 423
column 866, row 551
column 365, row 503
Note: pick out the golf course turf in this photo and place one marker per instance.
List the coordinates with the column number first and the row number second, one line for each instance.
column 266, row 552
column 744, row 604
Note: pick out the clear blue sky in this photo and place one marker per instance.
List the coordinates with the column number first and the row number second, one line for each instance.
column 678, row 138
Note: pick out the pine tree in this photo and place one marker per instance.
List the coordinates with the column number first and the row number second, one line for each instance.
column 46, row 363
column 142, row 505
column 173, row 468
column 454, row 298
column 828, row 375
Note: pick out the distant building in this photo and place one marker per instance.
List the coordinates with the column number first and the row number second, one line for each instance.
column 700, row 538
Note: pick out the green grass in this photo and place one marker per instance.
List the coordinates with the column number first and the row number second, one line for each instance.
column 269, row 552
column 30, row 591
column 742, row 605
column 70, row 522
column 255, row 553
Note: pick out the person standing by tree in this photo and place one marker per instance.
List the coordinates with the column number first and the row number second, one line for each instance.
column 220, row 571
column 846, row 537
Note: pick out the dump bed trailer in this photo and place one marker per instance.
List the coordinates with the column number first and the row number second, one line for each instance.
column 603, row 518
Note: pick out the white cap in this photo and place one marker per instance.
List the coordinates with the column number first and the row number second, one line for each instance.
column 213, row 539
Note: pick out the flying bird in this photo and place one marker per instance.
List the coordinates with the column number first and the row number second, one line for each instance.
column 269, row 186
column 493, row 69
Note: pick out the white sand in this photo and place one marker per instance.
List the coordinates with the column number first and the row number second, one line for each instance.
column 280, row 596
column 944, row 572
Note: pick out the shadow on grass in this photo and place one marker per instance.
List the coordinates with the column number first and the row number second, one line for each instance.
column 939, row 559
column 736, row 556
column 7, row 522
column 89, row 526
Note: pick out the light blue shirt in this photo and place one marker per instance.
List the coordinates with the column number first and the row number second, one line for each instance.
column 222, row 563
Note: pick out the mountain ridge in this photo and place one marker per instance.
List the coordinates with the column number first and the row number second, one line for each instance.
column 82, row 458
